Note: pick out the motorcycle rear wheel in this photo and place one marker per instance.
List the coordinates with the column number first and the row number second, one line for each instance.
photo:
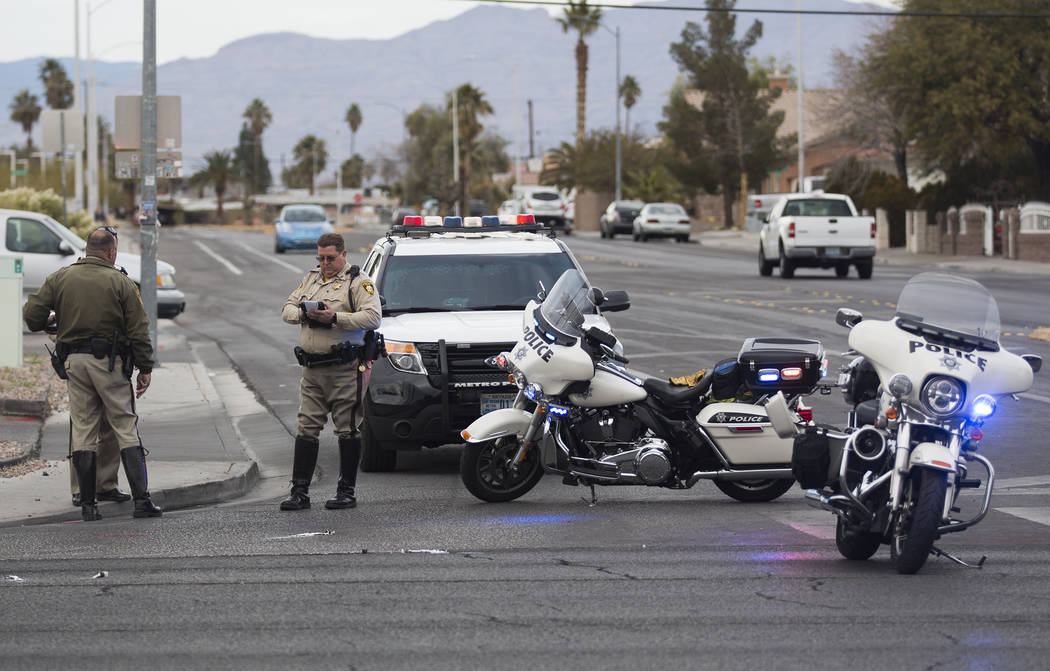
column 485, row 470
column 754, row 491
column 854, row 543
column 914, row 533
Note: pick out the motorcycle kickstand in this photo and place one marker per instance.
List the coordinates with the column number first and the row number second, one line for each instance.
column 594, row 497
column 937, row 552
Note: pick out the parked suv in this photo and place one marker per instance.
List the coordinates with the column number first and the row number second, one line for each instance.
column 619, row 217
column 546, row 205
column 452, row 297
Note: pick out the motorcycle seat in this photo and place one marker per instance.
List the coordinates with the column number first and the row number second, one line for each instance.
column 673, row 394
column 867, row 412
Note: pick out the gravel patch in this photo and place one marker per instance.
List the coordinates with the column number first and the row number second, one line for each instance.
column 28, row 382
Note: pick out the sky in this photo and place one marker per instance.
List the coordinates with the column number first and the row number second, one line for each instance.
column 199, row 28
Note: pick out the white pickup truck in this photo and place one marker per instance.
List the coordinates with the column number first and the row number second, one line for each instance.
column 816, row 230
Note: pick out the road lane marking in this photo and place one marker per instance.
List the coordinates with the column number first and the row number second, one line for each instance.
column 229, row 266
column 816, row 523
column 1035, row 397
column 294, row 269
column 1026, row 481
column 1037, row 515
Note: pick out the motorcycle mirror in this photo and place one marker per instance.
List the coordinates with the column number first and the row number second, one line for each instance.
column 597, row 297
column 848, row 317
column 616, row 301
column 1034, row 360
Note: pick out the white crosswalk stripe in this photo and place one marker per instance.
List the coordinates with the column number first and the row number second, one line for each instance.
column 810, row 521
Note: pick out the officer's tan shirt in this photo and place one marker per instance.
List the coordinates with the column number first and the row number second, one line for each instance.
column 364, row 314
column 92, row 298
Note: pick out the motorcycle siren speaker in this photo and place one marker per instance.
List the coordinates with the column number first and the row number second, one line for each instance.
column 868, row 443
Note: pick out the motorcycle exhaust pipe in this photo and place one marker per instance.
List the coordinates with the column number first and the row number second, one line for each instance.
column 764, row 474
column 834, row 503
column 868, row 443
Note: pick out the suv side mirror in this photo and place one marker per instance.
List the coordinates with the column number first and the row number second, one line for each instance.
column 615, row 301
column 65, row 249
column 848, row 317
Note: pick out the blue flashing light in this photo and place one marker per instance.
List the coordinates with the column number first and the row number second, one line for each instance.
column 550, row 337
column 558, row 410
column 983, row 406
column 453, row 221
column 768, row 375
column 490, row 220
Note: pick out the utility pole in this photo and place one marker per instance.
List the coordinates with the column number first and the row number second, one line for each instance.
column 619, row 195
column 78, row 169
column 532, row 150
column 801, row 136
column 455, row 147
column 148, row 216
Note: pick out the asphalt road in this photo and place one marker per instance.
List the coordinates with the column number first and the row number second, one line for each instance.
column 422, row 575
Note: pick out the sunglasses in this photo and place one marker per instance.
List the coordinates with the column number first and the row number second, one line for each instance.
column 327, row 259
column 108, row 229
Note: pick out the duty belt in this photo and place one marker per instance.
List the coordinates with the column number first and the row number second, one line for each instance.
column 339, row 355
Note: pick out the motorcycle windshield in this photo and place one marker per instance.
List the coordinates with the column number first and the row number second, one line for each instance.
column 566, row 304
column 950, row 303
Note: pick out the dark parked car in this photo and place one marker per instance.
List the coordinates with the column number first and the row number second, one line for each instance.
column 479, row 208
column 398, row 216
column 619, row 217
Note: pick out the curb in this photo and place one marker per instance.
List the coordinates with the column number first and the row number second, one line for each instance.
column 14, row 461
column 244, row 475
column 24, row 407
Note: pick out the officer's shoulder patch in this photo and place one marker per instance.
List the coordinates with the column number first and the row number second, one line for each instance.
column 369, row 287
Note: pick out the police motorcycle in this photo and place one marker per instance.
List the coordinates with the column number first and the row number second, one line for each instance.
column 922, row 384
column 579, row 413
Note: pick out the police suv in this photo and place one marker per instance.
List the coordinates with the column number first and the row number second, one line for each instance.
column 452, row 291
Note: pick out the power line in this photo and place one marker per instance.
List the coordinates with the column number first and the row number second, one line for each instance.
column 804, row 12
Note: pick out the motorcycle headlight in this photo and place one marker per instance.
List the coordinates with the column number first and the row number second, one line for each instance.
column 900, row 385
column 534, row 391
column 405, row 357
column 983, row 406
column 943, row 395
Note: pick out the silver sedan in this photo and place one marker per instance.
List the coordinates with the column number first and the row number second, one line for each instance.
column 669, row 220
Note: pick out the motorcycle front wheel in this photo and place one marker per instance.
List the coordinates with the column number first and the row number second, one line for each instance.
column 855, row 543
column 754, row 491
column 915, row 531
column 486, row 469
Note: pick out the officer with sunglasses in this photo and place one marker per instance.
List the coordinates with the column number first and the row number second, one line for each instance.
column 338, row 310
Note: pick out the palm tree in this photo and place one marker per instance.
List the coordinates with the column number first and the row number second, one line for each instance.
column 630, row 92
column 353, row 119
column 584, row 20
column 259, row 118
column 311, row 155
column 57, row 87
column 218, row 167
column 25, row 110
column 470, row 106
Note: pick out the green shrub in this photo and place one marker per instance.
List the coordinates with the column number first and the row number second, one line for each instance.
column 46, row 202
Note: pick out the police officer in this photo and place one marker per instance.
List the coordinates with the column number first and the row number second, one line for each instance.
column 335, row 373
column 103, row 332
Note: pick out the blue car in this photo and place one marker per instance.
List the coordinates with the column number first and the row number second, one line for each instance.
column 299, row 226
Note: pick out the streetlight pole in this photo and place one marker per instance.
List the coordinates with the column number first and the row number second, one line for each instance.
column 78, row 170
column 619, row 195
column 801, row 136
column 455, row 148
column 92, row 124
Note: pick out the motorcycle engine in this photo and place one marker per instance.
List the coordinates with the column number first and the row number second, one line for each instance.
column 608, row 431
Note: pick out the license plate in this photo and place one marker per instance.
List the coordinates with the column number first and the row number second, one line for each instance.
column 490, row 402
column 833, row 251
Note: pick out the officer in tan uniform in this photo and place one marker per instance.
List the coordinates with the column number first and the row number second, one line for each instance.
column 334, row 350
column 103, row 334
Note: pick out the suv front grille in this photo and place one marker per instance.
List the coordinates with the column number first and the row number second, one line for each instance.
column 466, row 362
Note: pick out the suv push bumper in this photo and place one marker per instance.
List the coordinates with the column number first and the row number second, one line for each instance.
column 408, row 411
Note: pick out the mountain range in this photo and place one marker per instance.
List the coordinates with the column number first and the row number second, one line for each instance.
column 512, row 54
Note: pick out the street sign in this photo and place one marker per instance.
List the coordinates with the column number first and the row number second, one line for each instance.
column 127, row 133
column 19, row 172
column 128, row 163
column 51, row 127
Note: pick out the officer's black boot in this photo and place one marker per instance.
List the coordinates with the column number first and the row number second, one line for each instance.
column 303, row 463
column 134, row 460
column 84, row 462
column 349, row 455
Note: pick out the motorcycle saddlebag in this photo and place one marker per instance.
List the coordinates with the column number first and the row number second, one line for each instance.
column 790, row 365
column 811, row 457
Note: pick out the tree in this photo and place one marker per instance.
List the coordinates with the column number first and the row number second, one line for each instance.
column 972, row 92
column 355, row 170
column 736, row 128
column 584, row 20
column 258, row 118
column 218, row 169
column 25, row 110
column 311, row 156
column 252, row 166
column 58, row 89
column 470, row 106
column 630, row 92
column 353, row 119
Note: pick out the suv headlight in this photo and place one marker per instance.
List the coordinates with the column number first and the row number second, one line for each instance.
column 166, row 280
column 943, row 395
column 404, row 357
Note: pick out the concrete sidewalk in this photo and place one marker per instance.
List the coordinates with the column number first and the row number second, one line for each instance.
column 747, row 242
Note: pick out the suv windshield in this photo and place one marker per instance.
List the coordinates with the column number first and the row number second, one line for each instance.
column 951, row 303
column 304, row 216
column 463, row 282
column 569, row 300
